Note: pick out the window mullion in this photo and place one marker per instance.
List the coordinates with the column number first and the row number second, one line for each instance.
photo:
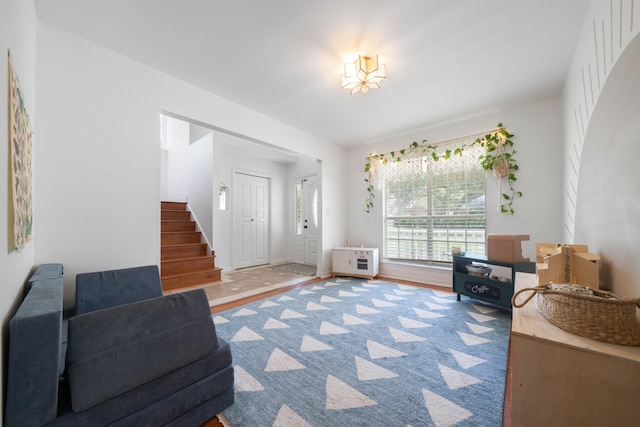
column 430, row 210
column 430, row 206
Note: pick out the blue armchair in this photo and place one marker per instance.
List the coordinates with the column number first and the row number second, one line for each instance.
column 132, row 358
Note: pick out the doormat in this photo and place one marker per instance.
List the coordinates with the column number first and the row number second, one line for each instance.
column 294, row 267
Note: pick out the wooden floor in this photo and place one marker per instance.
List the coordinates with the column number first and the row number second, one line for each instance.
column 215, row 422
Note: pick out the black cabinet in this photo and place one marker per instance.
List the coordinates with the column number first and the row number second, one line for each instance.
column 495, row 287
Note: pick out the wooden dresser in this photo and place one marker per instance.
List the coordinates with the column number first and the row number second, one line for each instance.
column 562, row 379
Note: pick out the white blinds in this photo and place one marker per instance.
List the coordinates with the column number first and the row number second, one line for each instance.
column 430, row 205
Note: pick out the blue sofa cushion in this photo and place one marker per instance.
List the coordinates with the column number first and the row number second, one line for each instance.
column 115, row 350
column 45, row 272
column 34, row 353
column 104, row 289
column 163, row 399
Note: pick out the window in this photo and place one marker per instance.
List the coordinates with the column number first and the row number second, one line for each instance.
column 430, row 205
column 223, row 197
column 314, row 208
column 299, row 216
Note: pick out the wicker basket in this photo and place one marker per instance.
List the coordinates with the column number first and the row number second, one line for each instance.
column 478, row 270
column 591, row 313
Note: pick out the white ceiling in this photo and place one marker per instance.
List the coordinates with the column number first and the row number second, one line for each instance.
column 446, row 59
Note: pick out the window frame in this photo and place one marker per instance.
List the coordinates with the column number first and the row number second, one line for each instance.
column 431, row 247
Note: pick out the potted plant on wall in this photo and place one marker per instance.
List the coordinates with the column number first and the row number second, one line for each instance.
column 498, row 158
column 499, row 152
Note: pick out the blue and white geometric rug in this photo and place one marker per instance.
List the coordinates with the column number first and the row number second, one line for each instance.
column 356, row 352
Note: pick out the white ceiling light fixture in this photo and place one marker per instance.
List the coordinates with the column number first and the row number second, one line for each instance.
column 363, row 74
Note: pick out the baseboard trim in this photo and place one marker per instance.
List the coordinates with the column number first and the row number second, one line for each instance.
column 430, row 275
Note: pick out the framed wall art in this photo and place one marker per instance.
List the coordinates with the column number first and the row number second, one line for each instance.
column 20, row 188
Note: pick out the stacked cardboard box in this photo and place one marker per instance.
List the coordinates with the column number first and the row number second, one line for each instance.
column 506, row 247
column 559, row 263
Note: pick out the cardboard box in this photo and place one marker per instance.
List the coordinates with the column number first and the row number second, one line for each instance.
column 558, row 263
column 506, row 247
column 550, row 262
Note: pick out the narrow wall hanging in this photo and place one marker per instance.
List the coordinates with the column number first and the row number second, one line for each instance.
column 21, row 195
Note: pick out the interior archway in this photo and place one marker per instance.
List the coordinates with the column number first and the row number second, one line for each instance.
column 607, row 203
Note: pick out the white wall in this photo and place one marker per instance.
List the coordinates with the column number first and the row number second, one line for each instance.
column 538, row 141
column 305, row 166
column 601, row 109
column 18, row 35
column 100, row 166
column 189, row 172
column 164, row 166
column 608, row 29
column 202, row 187
column 607, row 202
column 176, row 140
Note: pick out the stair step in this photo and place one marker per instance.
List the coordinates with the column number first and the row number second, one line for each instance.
column 179, row 237
column 166, row 226
column 174, row 206
column 190, row 250
column 167, row 215
column 186, row 265
column 197, row 278
column 184, row 261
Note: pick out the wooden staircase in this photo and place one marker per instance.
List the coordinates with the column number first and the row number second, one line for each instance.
column 184, row 261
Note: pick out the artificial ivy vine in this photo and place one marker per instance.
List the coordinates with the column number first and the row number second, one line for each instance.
column 498, row 157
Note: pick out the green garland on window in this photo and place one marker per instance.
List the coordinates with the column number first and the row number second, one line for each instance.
column 498, row 158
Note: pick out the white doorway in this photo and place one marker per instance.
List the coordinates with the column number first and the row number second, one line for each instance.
column 305, row 242
column 251, row 220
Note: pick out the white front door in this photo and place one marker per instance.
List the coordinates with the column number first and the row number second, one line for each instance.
column 251, row 220
column 306, row 232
